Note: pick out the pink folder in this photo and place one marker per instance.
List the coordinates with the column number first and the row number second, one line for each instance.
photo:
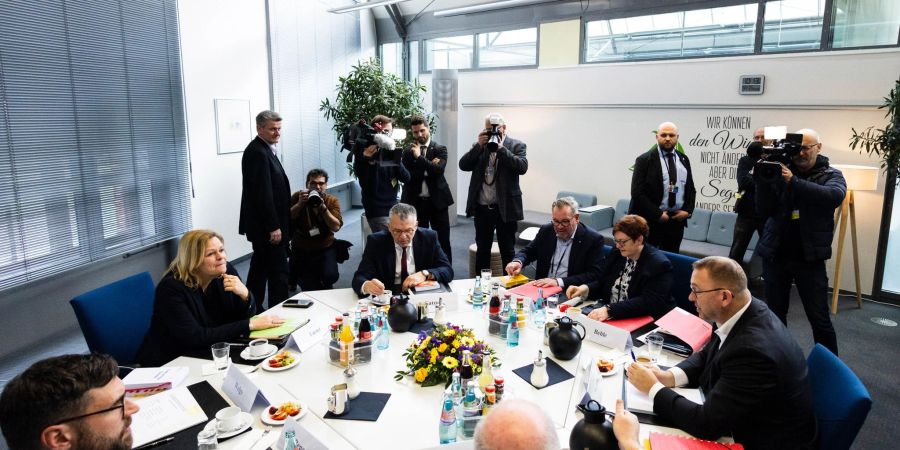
column 631, row 324
column 531, row 291
column 691, row 329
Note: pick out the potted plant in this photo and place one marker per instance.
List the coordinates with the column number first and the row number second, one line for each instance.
column 883, row 142
column 366, row 92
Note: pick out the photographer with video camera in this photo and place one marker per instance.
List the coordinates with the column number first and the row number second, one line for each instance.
column 747, row 221
column 316, row 216
column 378, row 166
column 495, row 199
column 797, row 192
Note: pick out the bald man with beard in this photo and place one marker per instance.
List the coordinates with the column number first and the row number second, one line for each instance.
column 662, row 189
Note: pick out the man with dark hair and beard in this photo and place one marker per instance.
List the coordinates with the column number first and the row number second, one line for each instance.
column 68, row 402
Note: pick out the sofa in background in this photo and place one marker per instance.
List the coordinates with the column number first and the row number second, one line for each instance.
column 538, row 218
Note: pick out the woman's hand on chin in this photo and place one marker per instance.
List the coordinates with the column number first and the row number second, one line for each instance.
column 233, row 284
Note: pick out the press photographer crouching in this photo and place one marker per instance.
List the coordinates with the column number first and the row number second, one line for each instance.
column 316, row 217
column 797, row 192
column 377, row 164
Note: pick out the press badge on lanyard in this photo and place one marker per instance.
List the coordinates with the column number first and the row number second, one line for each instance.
column 795, row 214
column 673, row 188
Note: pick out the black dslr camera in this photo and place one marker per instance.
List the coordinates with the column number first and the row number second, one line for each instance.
column 494, row 136
column 365, row 135
column 768, row 169
column 315, row 199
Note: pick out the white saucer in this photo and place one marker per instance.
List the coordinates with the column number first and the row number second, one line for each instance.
column 616, row 368
column 268, row 420
column 245, row 353
column 265, row 364
column 246, row 422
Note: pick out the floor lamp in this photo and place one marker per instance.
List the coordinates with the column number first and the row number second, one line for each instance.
column 859, row 178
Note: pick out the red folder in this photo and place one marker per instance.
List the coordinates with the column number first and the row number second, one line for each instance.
column 672, row 442
column 631, row 324
column 691, row 329
column 531, row 291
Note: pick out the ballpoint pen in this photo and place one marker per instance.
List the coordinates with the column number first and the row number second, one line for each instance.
column 156, row 443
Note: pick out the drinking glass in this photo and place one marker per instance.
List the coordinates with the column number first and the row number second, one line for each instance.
column 553, row 305
column 207, row 440
column 220, row 352
column 654, row 346
column 486, row 280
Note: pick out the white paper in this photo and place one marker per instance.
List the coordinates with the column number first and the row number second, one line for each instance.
column 636, row 400
column 165, row 414
column 305, row 337
column 304, row 437
column 241, row 389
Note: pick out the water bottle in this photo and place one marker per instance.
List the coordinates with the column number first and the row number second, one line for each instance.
column 447, row 425
column 384, row 338
column 540, row 312
column 477, row 294
column 512, row 331
column 290, row 441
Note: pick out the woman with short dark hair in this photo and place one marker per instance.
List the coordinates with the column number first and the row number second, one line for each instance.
column 636, row 280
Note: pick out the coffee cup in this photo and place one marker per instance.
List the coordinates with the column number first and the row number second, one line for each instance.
column 574, row 312
column 644, row 360
column 385, row 298
column 228, row 419
column 258, row 347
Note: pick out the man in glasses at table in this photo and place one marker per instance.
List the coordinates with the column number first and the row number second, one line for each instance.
column 752, row 372
column 68, row 402
column 567, row 252
column 401, row 257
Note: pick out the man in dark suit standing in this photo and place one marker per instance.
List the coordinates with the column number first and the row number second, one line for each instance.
column 752, row 372
column 662, row 190
column 266, row 211
column 401, row 257
column 427, row 189
column 567, row 252
column 495, row 199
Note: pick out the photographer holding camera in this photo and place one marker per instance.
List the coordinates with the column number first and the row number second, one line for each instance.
column 747, row 221
column 316, row 216
column 380, row 171
column 495, row 199
column 796, row 241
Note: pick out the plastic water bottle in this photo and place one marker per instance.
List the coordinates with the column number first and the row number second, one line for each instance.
column 447, row 426
column 477, row 294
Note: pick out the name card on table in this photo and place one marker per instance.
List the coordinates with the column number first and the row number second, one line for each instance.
column 605, row 335
column 306, row 337
column 240, row 389
column 449, row 299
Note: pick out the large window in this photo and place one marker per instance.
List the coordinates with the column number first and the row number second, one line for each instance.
column 453, row 52
column 703, row 32
column 508, row 48
column 93, row 157
column 792, row 25
column 864, row 23
column 392, row 58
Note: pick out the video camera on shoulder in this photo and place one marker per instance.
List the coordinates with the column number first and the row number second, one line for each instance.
column 494, row 135
column 784, row 147
column 388, row 153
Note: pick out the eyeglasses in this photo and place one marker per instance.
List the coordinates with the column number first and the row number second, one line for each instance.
column 120, row 406
column 807, row 147
column 561, row 223
column 407, row 232
column 621, row 242
column 696, row 292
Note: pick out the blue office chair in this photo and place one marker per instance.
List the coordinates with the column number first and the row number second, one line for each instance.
column 114, row 318
column 682, row 267
column 840, row 400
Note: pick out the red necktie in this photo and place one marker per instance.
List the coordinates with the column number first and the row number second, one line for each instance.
column 404, row 272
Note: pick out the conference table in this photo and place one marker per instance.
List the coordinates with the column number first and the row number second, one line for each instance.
column 411, row 415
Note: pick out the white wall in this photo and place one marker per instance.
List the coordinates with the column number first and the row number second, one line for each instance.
column 585, row 125
column 223, row 47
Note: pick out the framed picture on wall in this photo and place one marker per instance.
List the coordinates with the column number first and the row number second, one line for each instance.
column 233, row 130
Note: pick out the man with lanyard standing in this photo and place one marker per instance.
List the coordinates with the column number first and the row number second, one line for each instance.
column 662, row 190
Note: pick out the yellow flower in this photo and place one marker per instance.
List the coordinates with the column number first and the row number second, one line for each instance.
column 467, row 341
column 450, row 362
column 456, row 343
column 434, row 355
column 443, row 347
column 423, row 344
column 421, row 374
column 449, row 332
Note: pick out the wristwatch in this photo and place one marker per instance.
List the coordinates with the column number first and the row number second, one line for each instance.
column 427, row 275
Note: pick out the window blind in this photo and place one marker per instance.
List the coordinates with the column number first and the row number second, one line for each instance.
column 93, row 152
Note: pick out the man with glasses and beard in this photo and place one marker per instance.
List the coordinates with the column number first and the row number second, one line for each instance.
column 567, row 252
column 68, row 402
column 662, row 189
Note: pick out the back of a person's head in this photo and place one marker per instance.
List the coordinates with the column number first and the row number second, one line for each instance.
column 48, row 392
column 516, row 425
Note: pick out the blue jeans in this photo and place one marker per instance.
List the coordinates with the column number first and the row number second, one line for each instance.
column 812, row 285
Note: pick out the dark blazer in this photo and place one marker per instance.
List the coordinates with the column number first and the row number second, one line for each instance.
column 379, row 183
column 585, row 254
column 380, row 261
column 438, row 189
column 647, row 188
column 756, row 387
column 746, row 206
column 649, row 291
column 511, row 162
column 266, row 195
column 187, row 321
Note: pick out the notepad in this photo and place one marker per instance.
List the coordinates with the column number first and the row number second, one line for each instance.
column 165, row 414
column 280, row 331
column 144, row 381
column 673, row 442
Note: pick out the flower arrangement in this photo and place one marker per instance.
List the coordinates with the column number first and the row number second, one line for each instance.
column 432, row 357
